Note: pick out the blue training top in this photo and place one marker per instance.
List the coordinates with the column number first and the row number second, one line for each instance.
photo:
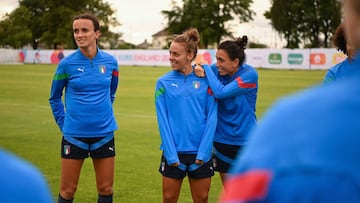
column 21, row 181
column 90, row 87
column 186, row 113
column 306, row 149
column 237, row 96
column 340, row 71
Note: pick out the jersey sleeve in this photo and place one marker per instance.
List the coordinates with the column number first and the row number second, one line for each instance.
column 240, row 85
column 164, row 127
column 114, row 82
column 59, row 82
column 204, row 152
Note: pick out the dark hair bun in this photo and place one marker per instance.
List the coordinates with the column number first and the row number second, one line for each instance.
column 242, row 41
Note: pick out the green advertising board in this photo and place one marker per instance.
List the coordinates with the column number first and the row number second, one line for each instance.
column 295, row 59
column 275, row 58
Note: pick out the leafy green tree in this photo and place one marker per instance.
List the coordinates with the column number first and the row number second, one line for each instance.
column 208, row 16
column 49, row 21
column 331, row 10
column 12, row 31
column 305, row 21
column 281, row 16
column 257, row 45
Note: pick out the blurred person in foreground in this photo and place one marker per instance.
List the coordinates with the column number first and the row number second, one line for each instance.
column 306, row 147
column 89, row 79
column 186, row 114
column 343, row 69
column 235, row 85
column 21, row 182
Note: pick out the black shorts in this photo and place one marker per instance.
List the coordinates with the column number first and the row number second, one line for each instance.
column 80, row 148
column 188, row 167
column 224, row 156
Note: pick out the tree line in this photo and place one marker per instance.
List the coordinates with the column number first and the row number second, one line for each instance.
column 49, row 22
column 308, row 23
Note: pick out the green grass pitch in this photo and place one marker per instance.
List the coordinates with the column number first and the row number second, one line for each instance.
column 28, row 129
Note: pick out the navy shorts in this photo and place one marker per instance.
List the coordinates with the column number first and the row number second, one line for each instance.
column 188, row 167
column 224, row 156
column 80, row 148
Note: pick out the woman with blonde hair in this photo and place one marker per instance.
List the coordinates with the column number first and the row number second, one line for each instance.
column 186, row 112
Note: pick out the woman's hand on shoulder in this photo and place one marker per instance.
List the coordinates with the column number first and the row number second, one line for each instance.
column 199, row 71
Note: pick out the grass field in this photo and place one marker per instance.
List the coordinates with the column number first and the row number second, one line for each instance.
column 27, row 127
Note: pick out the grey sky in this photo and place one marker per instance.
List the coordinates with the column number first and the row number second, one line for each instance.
column 140, row 19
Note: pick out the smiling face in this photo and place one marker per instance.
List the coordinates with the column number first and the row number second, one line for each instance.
column 225, row 65
column 180, row 58
column 84, row 33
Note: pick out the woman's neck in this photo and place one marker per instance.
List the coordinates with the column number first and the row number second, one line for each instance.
column 235, row 70
column 186, row 70
column 89, row 52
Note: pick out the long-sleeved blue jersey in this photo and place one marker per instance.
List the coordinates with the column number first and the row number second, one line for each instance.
column 186, row 113
column 237, row 96
column 305, row 149
column 90, row 87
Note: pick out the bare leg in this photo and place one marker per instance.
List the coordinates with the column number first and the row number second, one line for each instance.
column 104, row 171
column 70, row 173
column 200, row 189
column 171, row 189
column 223, row 177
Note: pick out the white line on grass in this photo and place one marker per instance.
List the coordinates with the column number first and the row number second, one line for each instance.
column 45, row 107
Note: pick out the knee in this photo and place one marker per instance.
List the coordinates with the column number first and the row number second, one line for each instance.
column 105, row 189
column 201, row 197
column 67, row 193
column 169, row 198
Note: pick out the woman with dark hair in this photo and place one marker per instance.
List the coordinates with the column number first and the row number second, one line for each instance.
column 235, row 85
column 186, row 114
column 306, row 148
column 89, row 79
column 338, row 71
column 339, row 39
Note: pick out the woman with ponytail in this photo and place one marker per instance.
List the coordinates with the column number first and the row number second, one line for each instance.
column 235, row 85
column 186, row 112
column 306, row 148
